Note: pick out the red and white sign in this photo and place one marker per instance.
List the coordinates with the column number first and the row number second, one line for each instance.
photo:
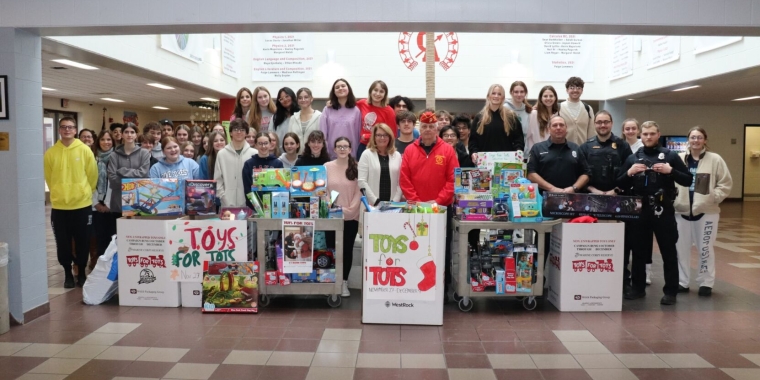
column 661, row 50
column 190, row 243
column 411, row 49
column 586, row 267
column 403, row 267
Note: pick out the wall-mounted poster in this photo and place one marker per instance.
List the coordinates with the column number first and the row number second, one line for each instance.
column 621, row 59
column 283, row 57
column 188, row 46
column 130, row 117
column 704, row 43
column 557, row 57
column 230, row 54
column 4, row 97
column 662, row 50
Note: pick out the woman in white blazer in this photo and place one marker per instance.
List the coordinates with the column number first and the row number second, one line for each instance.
column 306, row 120
column 379, row 167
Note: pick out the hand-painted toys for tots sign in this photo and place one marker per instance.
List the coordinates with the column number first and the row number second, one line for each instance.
column 191, row 243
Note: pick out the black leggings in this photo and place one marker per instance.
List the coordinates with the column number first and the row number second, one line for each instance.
column 350, row 229
column 104, row 227
column 68, row 226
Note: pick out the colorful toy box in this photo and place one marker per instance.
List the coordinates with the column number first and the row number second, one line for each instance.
column 299, row 210
column 231, row 287
column 505, row 174
column 500, row 281
column 152, row 197
column 200, row 197
column 326, row 275
column 271, row 180
column 271, row 277
column 524, row 203
column 298, row 278
column 235, row 213
column 280, row 202
column 314, row 208
column 605, row 207
column 266, row 205
column 524, row 270
column 308, row 181
column 472, row 180
column 510, row 275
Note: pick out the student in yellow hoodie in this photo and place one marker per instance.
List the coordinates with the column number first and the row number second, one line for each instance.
column 72, row 175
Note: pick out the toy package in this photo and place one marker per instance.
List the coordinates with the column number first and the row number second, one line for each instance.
column 524, row 270
column 505, row 174
column 298, row 278
column 525, row 203
column 605, row 207
column 280, row 201
column 299, row 210
column 231, row 287
column 266, row 204
column 152, row 197
column 326, row 275
column 200, row 197
column 270, row 180
column 500, row 281
column 510, row 275
column 472, row 181
column 474, row 206
column 235, row 213
column 308, row 181
column 487, row 160
column 314, row 207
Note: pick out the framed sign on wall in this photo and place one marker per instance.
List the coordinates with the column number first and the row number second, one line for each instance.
column 3, row 97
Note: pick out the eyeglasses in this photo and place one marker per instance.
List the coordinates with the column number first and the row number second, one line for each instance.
column 574, row 88
column 262, row 143
column 67, row 127
column 697, row 138
column 449, row 135
column 381, row 136
column 603, row 122
column 342, row 148
column 237, row 130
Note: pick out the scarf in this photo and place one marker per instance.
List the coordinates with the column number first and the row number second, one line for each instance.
column 102, row 160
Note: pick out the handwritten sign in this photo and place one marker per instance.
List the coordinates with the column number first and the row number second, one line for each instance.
column 193, row 242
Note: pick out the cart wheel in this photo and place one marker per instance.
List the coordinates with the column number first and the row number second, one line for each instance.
column 465, row 304
column 334, row 300
column 264, row 300
column 529, row 303
column 457, row 297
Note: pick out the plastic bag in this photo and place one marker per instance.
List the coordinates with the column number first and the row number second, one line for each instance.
column 102, row 283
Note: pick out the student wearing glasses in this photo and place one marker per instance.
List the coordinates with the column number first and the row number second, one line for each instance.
column 579, row 116
column 262, row 160
column 379, row 167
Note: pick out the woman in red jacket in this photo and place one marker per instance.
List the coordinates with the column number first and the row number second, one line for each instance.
column 375, row 110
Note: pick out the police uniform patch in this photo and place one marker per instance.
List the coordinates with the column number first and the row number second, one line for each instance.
column 661, row 156
column 614, row 146
column 575, row 155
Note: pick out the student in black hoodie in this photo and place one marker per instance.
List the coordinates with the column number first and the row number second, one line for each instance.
column 263, row 160
column 315, row 153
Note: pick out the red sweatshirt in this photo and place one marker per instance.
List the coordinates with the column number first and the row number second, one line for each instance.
column 372, row 115
column 430, row 177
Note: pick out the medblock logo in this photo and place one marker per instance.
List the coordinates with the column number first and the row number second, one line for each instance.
column 577, row 297
column 387, row 304
column 132, row 291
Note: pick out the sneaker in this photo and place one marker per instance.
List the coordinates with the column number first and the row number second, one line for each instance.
column 682, row 289
column 631, row 294
column 649, row 274
column 345, row 292
column 705, row 291
column 668, row 300
column 68, row 283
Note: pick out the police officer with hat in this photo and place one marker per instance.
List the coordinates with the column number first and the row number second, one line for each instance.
column 605, row 154
column 652, row 173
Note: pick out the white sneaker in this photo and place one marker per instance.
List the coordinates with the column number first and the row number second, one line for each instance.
column 649, row 274
column 344, row 292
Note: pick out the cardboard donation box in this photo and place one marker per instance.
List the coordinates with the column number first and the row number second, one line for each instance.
column 586, row 267
column 403, row 267
column 143, row 264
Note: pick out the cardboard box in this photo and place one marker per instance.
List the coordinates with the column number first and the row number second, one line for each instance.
column 152, row 197
column 500, row 281
column 299, row 210
column 200, row 197
column 314, row 208
column 308, row 181
column 510, row 275
column 190, row 292
column 280, row 202
column 303, row 277
column 270, row 180
column 266, row 204
column 235, row 213
column 271, row 278
column 284, row 279
column 524, row 272
column 326, row 275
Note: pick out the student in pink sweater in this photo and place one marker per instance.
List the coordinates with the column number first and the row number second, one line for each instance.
column 342, row 175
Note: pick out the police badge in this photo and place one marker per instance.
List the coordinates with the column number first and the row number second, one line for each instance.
column 661, row 156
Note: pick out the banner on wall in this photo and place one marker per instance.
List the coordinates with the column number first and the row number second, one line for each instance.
column 621, row 59
column 130, row 117
column 557, row 57
column 283, row 57
column 230, row 54
column 704, row 43
column 662, row 50
column 193, row 242
column 188, row 46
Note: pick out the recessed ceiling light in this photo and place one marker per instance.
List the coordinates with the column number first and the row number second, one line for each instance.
column 113, row 100
column 631, row 99
column 48, row 89
column 685, row 88
column 210, row 99
column 161, row 86
column 75, row 64
column 160, row 108
column 747, row 98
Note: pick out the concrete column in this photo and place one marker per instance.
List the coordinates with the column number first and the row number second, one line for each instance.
column 22, row 186
column 616, row 108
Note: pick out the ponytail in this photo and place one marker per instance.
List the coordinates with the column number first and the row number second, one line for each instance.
column 352, row 173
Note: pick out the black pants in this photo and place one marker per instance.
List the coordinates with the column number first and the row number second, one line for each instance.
column 104, row 227
column 68, row 226
column 666, row 232
column 447, row 264
column 628, row 251
column 350, row 229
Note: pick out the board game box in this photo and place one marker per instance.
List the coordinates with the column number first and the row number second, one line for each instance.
column 200, row 197
column 231, row 287
column 152, row 197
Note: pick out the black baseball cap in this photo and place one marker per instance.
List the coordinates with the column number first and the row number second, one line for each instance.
column 166, row 121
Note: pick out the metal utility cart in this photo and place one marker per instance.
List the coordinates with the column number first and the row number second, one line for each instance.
column 462, row 287
column 332, row 290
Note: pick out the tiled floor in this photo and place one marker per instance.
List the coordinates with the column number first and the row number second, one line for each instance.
column 302, row 338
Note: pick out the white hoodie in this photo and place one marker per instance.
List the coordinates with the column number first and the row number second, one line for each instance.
column 228, row 174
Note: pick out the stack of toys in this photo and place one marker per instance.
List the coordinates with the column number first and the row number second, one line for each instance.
column 502, row 264
column 474, row 199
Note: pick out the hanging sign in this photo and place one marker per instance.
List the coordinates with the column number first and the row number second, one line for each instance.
column 621, row 59
column 230, row 54
column 557, row 57
column 189, row 46
column 192, row 242
column 283, row 57
column 662, row 50
column 412, row 49
column 704, row 43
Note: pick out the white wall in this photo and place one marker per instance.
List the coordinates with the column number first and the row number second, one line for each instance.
column 722, row 124
column 752, row 165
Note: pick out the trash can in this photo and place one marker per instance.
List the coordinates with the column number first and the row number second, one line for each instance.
column 4, row 310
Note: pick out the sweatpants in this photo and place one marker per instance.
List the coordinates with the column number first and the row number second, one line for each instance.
column 350, row 229
column 104, row 227
column 68, row 226
column 666, row 232
column 700, row 233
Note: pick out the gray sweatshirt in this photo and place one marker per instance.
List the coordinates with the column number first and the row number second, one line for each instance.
column 121, row 165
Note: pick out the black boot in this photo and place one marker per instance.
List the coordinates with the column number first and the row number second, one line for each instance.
column 81, row 278
column 68, row 283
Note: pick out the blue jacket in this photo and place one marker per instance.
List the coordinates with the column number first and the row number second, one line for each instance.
column 257, row 162
column 203, row 168
column 183, row 169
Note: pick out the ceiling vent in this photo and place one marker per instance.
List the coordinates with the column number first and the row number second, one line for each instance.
column 58, row 68
column 103, row 93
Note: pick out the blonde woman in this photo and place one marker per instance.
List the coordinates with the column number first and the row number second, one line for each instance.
column 496, row 128
column 262, row 110
column 380, row 166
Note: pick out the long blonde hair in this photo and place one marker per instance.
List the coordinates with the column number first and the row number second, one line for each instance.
column 485, row 114
column 391, row 138
column 255, row 113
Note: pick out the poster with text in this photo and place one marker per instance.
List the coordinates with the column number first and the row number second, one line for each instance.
column 230, row 54
column 283, row 57
column 192, row 242
column 297, row 245
column 704, row 43
column 662, row 50
column 621, row 59
column 557, row 57
column 189, row 46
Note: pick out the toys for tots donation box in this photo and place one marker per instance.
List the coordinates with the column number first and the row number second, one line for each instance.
column 403, row 266
column 586, row 267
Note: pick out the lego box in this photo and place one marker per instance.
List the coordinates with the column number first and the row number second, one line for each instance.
column 152, row 197
column 200, row 197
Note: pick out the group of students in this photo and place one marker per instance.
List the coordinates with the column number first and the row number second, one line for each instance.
column 365, row 145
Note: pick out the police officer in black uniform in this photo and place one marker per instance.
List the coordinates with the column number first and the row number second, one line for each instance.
column 557, row 165
column 652, row 173
column 605, row 154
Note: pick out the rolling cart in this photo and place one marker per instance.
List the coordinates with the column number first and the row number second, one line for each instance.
column 332, row 290
column 463, row 292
